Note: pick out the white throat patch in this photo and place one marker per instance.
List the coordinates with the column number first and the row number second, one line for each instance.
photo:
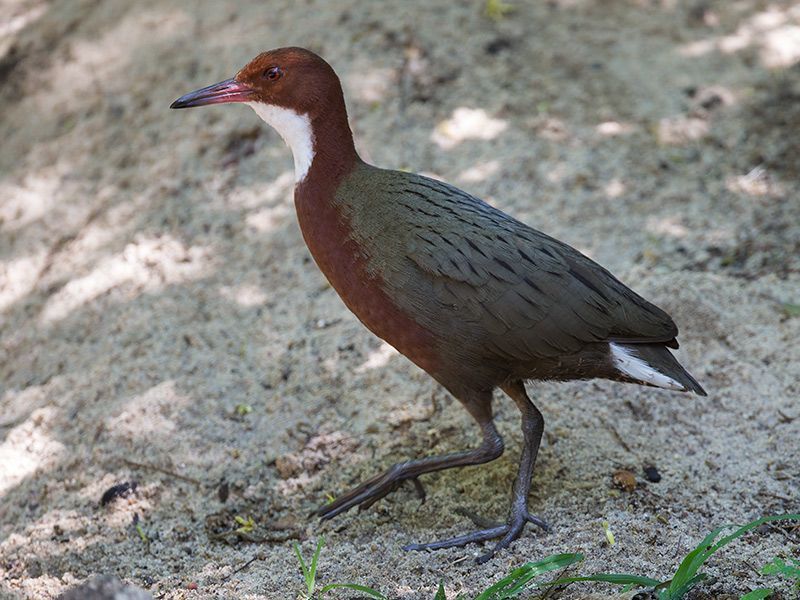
column 295, row 129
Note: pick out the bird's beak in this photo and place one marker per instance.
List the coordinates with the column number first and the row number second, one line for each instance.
column 229, row 90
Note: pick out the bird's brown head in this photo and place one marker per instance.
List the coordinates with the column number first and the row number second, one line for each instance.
column 294, row 91
column 293, row 78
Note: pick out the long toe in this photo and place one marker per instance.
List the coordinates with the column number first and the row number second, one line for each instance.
column 346, row 501
column 513, row 531
column 462, row 540
column 377, row 494
column 507, row 534
column 363, row 496
column 539, row 522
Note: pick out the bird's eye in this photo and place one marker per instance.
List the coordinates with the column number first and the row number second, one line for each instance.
column 272, row 74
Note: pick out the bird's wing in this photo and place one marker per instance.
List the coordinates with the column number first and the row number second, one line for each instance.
column 535, row 296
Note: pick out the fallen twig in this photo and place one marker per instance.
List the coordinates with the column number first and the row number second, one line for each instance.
column 138, row 465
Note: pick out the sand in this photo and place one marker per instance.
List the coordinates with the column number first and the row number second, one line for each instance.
column 161, row 321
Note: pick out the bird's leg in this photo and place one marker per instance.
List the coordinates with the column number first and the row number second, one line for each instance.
column 372, row 490
column 532, row 429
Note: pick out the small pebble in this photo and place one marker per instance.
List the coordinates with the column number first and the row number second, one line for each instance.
column 288, row 466
column 223, row 491
column 121, row 490
column 651, row 474
column 625, row 480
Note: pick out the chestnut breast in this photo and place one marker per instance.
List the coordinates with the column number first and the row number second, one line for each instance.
column 325, row 214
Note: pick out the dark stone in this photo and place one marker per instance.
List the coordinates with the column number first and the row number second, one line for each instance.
column 223, row 491
column 498, row 45
column 121, row 490
column 651, row 474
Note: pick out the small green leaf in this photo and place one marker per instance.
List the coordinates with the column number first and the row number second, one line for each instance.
column 496, row 10
column 778, row 567
column 245, row 525
column 758, row 594
column 678, row 592
column 243, row 409
column 141, row 533
column 686, row 577
column 791, row 310
column 690, row 564
column 609, row 533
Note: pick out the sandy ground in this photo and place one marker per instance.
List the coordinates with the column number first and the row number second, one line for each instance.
column 154, row 288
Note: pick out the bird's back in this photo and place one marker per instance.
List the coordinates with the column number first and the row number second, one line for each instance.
column 491, row 289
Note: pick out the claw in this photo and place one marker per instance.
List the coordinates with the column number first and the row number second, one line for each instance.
column 377, row 495
column 462, row 540
column 541, row 523
column 419, row 489
column 507, row 532
column 365, row 495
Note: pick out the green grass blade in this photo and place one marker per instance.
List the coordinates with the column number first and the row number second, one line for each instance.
column 312, row 571
column 518, row 579
column 303, row 568
column 440, row 593
column 678, row 592
column 758, row 594
column 752, row 525
column 354, row 586
column 690, row 564
column 686, row 576
column 617, row 578
column 494, row 592
column 549, row 563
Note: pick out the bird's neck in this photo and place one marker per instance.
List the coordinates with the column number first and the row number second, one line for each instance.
column 334, row 151
column 322, row 143
column 324, row 155
column 333, row 160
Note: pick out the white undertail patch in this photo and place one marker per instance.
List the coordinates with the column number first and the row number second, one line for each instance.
column 635, row 367
column 295, row 129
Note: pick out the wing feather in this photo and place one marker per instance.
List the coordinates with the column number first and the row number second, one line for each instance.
column 534, row 296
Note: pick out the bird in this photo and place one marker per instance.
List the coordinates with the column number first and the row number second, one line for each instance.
column 471, row 295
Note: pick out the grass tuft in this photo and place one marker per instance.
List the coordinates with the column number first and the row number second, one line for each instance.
column 686, row 577
column 688, row 574
column 519, row 578
column 310, row 576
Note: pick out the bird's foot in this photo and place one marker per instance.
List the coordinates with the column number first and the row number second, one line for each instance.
column 369, row 492
column 507, row 534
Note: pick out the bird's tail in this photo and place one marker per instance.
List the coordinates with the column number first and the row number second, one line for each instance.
column 653, row 364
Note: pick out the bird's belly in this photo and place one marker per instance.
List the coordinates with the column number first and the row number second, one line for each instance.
column 343, row 262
